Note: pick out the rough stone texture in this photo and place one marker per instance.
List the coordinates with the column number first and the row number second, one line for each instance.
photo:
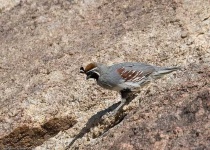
column 8, row 4
column 46, row 104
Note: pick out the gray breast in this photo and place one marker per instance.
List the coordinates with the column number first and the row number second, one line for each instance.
column 110, row 78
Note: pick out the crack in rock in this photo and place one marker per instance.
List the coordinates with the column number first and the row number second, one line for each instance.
column 26, row 137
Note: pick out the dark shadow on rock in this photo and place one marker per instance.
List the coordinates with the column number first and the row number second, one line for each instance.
column 98, row 119
column 26, row 137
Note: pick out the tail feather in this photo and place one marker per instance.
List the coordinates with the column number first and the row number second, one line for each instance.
column 160, row 71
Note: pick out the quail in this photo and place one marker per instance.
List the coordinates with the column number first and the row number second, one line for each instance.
column 124, row 77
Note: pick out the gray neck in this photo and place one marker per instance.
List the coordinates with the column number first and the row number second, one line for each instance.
column 102, row 68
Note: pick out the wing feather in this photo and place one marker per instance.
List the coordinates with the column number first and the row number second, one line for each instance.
column 130, row 74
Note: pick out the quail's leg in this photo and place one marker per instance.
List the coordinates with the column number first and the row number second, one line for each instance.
column 123, row 101
column 124, row 95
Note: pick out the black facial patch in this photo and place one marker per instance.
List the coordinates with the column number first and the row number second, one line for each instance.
column 92, row 74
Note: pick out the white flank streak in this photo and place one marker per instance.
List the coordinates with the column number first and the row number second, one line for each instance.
column 133, row 72
column 140, row 72
column 134, row 77
column 123, row 72
column 138, row 79
column 129, row 71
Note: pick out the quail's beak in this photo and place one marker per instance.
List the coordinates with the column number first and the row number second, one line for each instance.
column 82, row 70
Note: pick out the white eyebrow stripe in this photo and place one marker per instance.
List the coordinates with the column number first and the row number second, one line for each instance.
column 94, row 70
column 96, row 73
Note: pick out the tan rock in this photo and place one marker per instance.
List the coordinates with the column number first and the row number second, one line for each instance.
column 46, row 104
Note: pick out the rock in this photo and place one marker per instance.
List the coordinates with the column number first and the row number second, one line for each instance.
column 45, row 103
column 184, row 34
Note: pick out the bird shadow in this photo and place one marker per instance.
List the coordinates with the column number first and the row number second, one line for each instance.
column 98, row 119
